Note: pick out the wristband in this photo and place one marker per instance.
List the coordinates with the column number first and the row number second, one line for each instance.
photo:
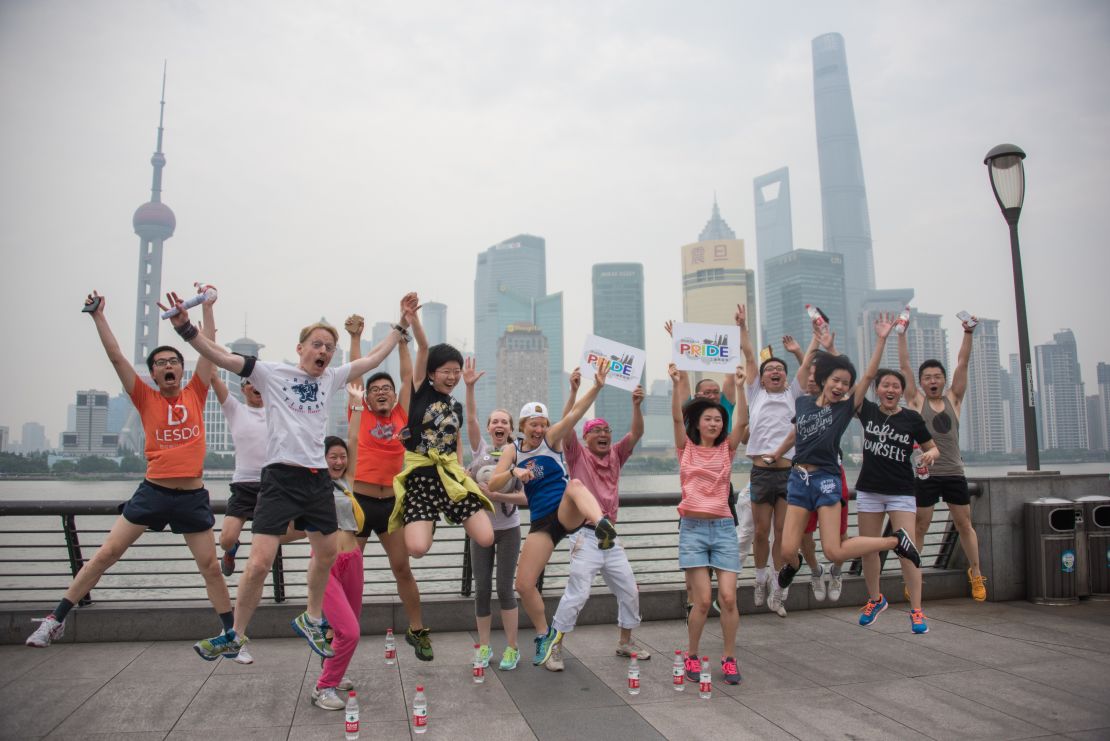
column 187, row 331
column 356, row 408
column 969, row 331
column 402, row 331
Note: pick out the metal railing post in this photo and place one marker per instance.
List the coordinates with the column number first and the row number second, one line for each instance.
column 279, row 577
column 73, row 549
column 465, row 588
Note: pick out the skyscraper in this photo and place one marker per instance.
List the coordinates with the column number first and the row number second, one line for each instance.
column 1017, row 408
column 1103, row 376
column 774, row 231
column 1096, row 426
column 434, row 318
column 791, row 281
column 619, row 316
column 34, row 438
column 982, row 408
column 522, row 367
column 89, row 435
column 1060, row 397
column 844, row 214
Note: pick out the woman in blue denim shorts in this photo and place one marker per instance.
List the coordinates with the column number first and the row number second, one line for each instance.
column 707, row 533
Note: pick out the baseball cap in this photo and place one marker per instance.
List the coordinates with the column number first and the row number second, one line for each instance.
column 533, row 409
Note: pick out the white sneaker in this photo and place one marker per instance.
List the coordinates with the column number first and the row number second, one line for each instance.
column 817, row 584
column 759, row 595
column 243, row 657
column 49, row 630
column 836, row 584
column 780, row 607
column 554, row 662
column 327, row 698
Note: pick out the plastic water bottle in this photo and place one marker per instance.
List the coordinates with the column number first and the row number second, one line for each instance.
column 633, row 675
column 419, row 711
column 815, row 315
column 479, row 670
column 390, row 648
column 967, row 319
column 352, row 717
column 902, row 321
column 705, row 683
column 204, row 293
column 678, row 672
column 920, row 470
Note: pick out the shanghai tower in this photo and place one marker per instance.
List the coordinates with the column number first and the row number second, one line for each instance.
column 845, row 220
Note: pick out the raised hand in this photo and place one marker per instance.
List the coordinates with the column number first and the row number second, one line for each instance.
column 410, row 304
column 669, row 326
column 638, row 395
column 740, row 375
column 181, row 318
column 968, row 327
column 575, row 379
column 884, row 322
column 741, row 316
column 602, row 372
column 95, row 300
column 929, row 457
column 203, row 288
column 354, row 325
column 674, row 373
column 790, row 344
column 826, row 338
column 471, row 374
column 354, row 394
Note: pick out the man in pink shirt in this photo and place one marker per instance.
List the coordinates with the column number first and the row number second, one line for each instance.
column 598, row 467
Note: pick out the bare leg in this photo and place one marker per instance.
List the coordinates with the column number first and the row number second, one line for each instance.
column 418, row 537
column 394, row 546
column 809, row 551
column 509, row 621
column 730, row 616
column 910, row 573
column 484, row 625
column 779, row 520
column 263, row 550
column 922, row 522
column 969, row 541
column 871, row 525
column 230, row 531
column 324, row 549
column 700, row 590
column 828, row 520
column 762, row 515
column 578, row 505
column 203, row 548
column 120, row 538
column 479, row 528
column 537, row 551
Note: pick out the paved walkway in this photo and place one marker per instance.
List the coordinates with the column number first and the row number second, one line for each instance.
column 997, row 671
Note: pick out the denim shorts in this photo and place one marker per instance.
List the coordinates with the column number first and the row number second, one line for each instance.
column 812, row 490
column 867, row 501
column 708, row 543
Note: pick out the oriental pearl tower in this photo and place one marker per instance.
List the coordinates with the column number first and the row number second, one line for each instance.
column 154, row 222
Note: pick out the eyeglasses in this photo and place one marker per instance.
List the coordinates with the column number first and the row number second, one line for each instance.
column 380, row 390
column 606, row 430
column 317, row 344
column 164, row 362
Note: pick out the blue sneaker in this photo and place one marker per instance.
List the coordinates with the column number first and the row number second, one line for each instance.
column 545, row 644
column 225, row 644
column 917, row 622
column 313, row 633
column 871, row 610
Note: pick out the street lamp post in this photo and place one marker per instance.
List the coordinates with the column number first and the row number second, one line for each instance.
column 1007, row 173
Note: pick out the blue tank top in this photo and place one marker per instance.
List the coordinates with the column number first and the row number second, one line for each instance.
column 545, row 490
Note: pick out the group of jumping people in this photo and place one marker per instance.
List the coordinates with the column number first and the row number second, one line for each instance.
column 401, row 468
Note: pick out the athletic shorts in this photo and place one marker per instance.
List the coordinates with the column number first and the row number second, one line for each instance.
column 812, row 490
column 295, row 494
column 376, row 511
column 426, row 499
column 867, row 501
column 768, row 484
column 550, row 524
column 243, row 499
column 708, row 543
column 952, row 489
column 184, row 510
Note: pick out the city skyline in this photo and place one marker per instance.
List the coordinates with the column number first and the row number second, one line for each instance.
column 299, row 199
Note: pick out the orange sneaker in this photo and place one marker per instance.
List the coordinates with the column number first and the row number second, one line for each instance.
column 978, row 587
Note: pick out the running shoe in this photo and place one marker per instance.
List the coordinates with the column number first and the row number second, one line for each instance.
column 817, row 584
column 836, row 584
column 243, row 657
column 225, row 644
column 327, row 698
column 786, row 575
column 731, row 670
column 509, row 659
column 627, row 649
column 871, row 610
column 227, row 561
column 49, row 630
column 346, row 684
column 917, row 622
column 312, row 632
column 606, row 534
column 544, row 645
column 421, row 643
column 759, row 594
column 777, row 601
column 693, row 668
column 554, row 661
column 905, row 548
column 978, row 587
column 485, row 653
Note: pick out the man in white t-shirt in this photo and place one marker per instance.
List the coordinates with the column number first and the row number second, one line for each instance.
column 296, row 486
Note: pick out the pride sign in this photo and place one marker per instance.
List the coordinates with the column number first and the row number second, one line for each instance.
column 705, row 347
column 626, row 363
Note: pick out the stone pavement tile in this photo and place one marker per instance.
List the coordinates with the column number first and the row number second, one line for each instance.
column 379, row 701
column 969, row 613
column 33, row 707
column 907, row 658
column 389, row 731
column 979, row 646
column 620, row 722
column 663, row 636
column 135, row 703
column 721, row 717
column 821, row 713
column 1052, row 707
column 935, row 712
column 655, row 678
column 850, row 614
column 93, row 660
column 113, row 736
column 759, row 675
column 820, row 663
column 452, row 693
column 533, row 688
column 280, row 655
column 512, row 727
column 1098, row 734
column 169, row 658
column 812, row 625
column 1084, row 652
column 1061, row 633
column 595, row 640
column 243, row 701
column 19, row 660
column 1077, row 675
column 271, row 733
column 448, row 648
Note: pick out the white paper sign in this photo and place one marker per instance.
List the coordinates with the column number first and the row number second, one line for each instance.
column 626, row 363
column 706, row 347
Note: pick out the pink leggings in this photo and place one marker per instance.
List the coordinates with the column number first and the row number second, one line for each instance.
column 342, row 606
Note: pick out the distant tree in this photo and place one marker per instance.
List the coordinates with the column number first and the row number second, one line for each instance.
column 64, row 467
column 96, row 464
column 132, row 463
column 24, row 464
column 217, row 462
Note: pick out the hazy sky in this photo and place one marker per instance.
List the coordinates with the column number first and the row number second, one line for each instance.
column 325, row 157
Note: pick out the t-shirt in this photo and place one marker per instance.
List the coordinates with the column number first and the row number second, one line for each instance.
column 297, row 410
column 505, row 515
column 600, row 474
column 549, row 478
column 705, row 474
column 770, row 417
column 174, row 429
column 819, row 430
column 348, row 512
column 887, row 449
column 434, row 420
column 248, row 430
column 381, row 455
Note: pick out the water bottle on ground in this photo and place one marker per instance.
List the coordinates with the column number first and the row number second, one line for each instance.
column 419, row 711
column 902, row 321
column 351, row 713
column 705, row 683
column 390, row 648
column 678, row 679
column 633, row 675
column 479, row 670
column 920, row 470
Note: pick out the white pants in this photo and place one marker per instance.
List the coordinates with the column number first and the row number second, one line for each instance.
column 586, row 561
column 745, row 531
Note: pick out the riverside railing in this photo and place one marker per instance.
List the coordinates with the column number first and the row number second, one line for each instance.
column 44, row 543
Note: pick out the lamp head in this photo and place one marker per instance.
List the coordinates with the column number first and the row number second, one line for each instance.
column 1007, row 173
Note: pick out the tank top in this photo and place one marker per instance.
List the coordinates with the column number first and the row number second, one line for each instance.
column 945, row 428
column 549, row 481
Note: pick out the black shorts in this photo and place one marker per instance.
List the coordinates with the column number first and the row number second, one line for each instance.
column 294, row 494
column 952, row 489
column 550, row 524
column 376, row 511
column 426, row 499
column 243, row 499
column 768, row 484
column 184, row 510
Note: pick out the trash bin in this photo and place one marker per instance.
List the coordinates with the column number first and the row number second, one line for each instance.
column 1096, row 519
column 1051, row 561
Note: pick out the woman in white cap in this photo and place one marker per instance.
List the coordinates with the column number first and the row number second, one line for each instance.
column 559, row 505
